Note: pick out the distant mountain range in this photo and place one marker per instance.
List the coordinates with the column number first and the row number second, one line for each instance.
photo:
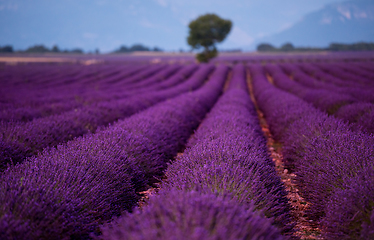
column 347, row 22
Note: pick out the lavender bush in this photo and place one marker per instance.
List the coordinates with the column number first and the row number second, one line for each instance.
column 345, row 75
column 322, row 150
column 227, row 155
column 359, row 115
column 323, row 99
column 360, row 92
column 91, row 179
column 192, row 215
column 349, row 210
column 23, row 140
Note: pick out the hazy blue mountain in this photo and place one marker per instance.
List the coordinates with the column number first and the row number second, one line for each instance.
column 345, row 22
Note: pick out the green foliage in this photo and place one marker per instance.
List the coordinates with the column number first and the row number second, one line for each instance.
column 55, row 49
column 288, row 47
column 6, row 49
column 205, row 32
column 136, row 47
column 37, row 49
column 206, row 55
column 139, row 47
column 360, row 46
column 75, row 50
column 266, row 47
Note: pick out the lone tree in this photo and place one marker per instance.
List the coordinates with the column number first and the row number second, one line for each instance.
column 205, row 32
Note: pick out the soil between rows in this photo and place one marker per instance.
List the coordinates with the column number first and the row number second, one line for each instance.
column 304, row 228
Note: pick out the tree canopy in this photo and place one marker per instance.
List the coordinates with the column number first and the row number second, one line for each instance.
column 266, row 47
column 289, row 47
column 205, row 32
column 136, row 47
column 6, row 49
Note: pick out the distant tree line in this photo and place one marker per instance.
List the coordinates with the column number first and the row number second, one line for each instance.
column 55, row 49
column 6, row 49
column 39, row 49
column 289, row 47
column 136, row 48
column 361, row 46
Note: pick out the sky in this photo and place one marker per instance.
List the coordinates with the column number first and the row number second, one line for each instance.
column 108, row 24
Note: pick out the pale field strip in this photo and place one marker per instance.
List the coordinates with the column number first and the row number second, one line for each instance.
column 15, row 60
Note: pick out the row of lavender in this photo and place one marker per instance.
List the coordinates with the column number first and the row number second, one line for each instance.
column 89, row 187
column 360, row 110
column 46, row 96
column 333, row 164
column 225, row 173
column 295, row 57
column 34, row 97
column 350, row 99
column 70, row 190
column 223, row 186
column 24, row 139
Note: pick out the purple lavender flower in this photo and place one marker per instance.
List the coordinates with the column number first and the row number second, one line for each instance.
column 191, row 215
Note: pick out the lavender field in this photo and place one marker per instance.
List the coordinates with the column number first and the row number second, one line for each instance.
column 159, row 147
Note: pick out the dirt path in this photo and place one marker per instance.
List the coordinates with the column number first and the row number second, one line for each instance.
column 305, row 229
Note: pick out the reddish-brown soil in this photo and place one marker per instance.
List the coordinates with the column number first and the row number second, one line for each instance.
column 305, row 229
